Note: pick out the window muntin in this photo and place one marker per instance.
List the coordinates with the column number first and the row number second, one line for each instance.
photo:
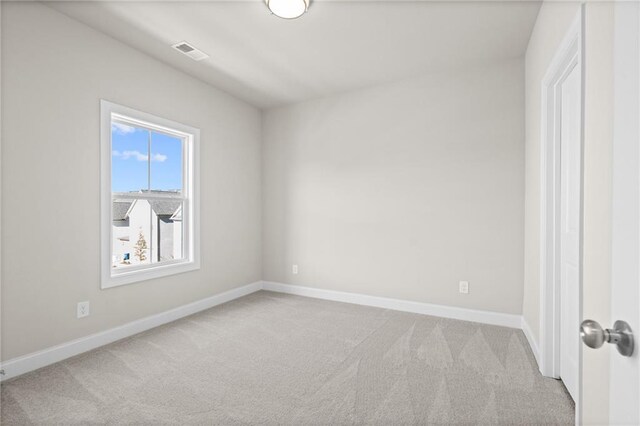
column 151, row 189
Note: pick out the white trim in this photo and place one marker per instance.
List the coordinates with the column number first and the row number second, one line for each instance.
column 1, row 372
column 484, row 317
column 35, row 360
column 568, row 54
column 190, row 196
column 533, row 343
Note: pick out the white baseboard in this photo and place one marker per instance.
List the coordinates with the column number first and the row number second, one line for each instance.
column 533, row 343
column 35, row 360
column 485, row 317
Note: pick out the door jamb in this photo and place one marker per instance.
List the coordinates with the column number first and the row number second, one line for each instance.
column 569, row 54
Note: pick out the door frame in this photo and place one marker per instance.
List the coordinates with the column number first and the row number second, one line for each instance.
column 568, row 55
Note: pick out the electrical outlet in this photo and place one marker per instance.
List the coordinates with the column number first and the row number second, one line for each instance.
column 464, row 287
column 294, row 270
column 83, row 309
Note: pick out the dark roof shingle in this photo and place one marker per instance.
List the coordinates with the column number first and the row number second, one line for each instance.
column 120, row 209
column 165, row 208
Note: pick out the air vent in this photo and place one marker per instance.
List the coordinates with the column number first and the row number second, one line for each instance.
column 185, row 48
column 190, row 51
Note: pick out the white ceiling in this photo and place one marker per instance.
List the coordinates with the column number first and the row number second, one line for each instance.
column 337, row 46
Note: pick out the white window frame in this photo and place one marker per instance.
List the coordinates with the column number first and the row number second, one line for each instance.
column 111, row 277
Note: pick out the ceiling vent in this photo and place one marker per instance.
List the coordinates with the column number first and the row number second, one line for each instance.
column 190, row 51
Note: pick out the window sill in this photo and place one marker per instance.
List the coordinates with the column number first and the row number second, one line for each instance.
column 130, row 277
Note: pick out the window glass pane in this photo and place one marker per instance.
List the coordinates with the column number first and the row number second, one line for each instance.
column 131, row 233
column 146, row 231
column 129, row 158
column 167, row 239
column 166, row 163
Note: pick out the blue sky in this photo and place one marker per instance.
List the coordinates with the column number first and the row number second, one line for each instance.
column 130, row 160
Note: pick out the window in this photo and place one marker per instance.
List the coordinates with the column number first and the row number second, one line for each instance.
column 149, row 196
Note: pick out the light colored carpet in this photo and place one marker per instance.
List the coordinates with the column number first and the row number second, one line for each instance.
column 277, row 359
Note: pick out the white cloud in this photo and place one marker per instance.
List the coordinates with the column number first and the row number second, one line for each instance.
column 125, row 155
column 122, row 129
column 134, row 154
column 158, row 157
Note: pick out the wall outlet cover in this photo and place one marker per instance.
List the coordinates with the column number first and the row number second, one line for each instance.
column 464, row 287
column 83, row 309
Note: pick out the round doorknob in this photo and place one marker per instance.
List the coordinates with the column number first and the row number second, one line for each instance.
column 593, row 335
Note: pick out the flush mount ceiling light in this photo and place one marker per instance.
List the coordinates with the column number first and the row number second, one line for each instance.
column 288, row 9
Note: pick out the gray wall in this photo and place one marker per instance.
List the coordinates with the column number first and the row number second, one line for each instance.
column 54, row 72
column 402, row 190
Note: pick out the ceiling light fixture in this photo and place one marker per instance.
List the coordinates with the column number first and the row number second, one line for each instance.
column 288, row 9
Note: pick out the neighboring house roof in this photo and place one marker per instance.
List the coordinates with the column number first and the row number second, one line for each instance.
column 177, row 216
column 121, row 209
column 165, row 208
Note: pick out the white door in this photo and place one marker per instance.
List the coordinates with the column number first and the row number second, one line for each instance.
column 611, row 381
column 570, row 157
column 625, row 260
